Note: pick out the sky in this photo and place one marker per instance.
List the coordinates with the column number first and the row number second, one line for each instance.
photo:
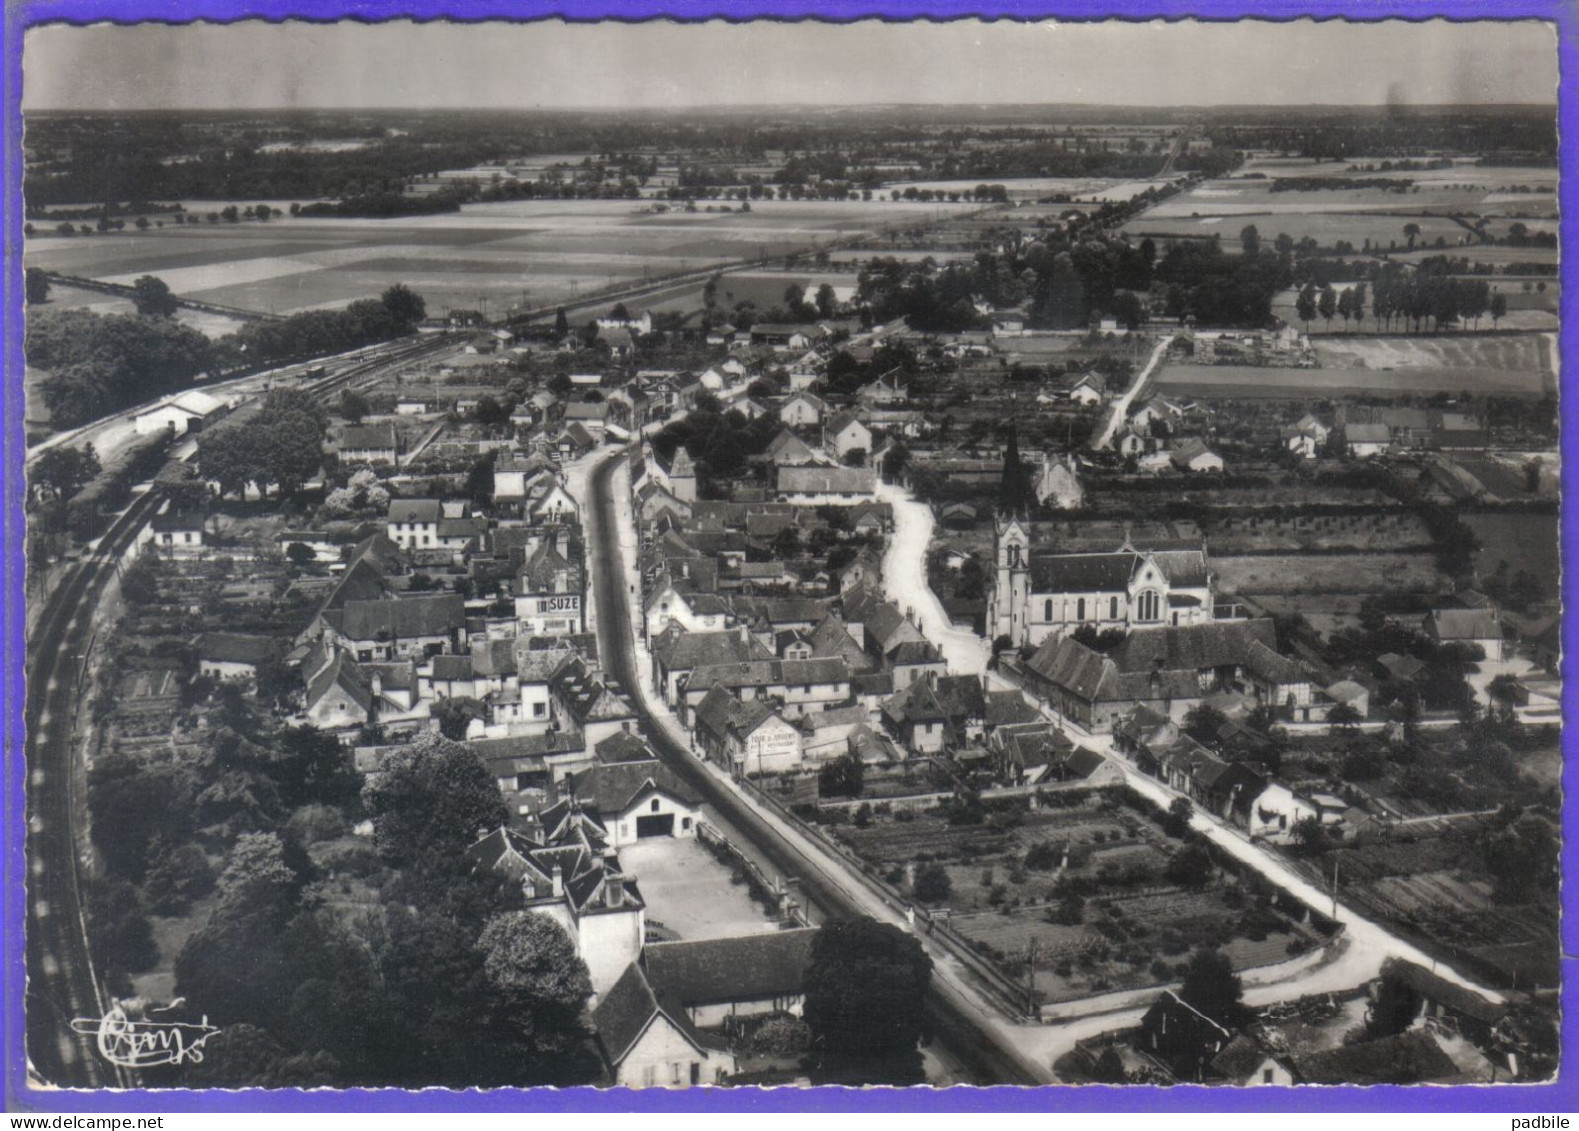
column 256, row 65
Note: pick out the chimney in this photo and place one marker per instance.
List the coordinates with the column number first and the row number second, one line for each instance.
column 377, row 686
column 558, row 881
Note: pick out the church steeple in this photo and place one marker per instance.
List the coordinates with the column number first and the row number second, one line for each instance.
column 1014, row 490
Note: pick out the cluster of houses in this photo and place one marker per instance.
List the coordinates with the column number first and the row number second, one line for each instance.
column 1451, row 1035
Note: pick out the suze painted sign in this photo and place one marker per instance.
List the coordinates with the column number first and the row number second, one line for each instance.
column 569, row 604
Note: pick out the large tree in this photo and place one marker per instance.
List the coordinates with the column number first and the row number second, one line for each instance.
column 430, row 801
column 1211, row 986
column 152, row 298
column 865, row 999
column 37, row 282
column 405, row 306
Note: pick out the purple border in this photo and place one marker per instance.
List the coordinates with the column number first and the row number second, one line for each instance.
column 1560, row 1096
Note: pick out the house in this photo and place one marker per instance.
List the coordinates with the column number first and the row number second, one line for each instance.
column 593, row 417
column 918, row 720
column 799, row 686
column 652, row 1044
column 395, row 628
column 802, row 410
column 716, row 981
column 789, row 450
column 749, row 739
column 1181, row 1037
column 178, row 415
column 1194, row 455
column 888, row 389
column 1058, row 483
column 548, row 592
column 785, row 336
column 1087, row 392
column 234, row 655
column 368, row 445
column 672, row 601
column 585, row 702
column 634, row 800
column 845, row 434
column 1168, row 670
column 676, row 653
column 1476, row 1017
column 1363, row 441
column 1480, row 628
column 812, row 486
column 1245, row 1063
column 413, row 524
column 565, row 870
column 177, row 534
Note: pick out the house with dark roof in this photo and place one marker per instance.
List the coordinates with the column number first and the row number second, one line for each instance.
column 747, row 738
column 586, row 702
column 550, row 592
column 632, row 800
column 649, row 1042
column 1480, row 628
column 1181, row 1037
column 413, row 524
column 235, row 655
column 1245, row 1062
column 719, row 980
column 796, row 686
column 375, row 446
column 814, row 486
column 676, row 653
column 569, row 873
column 1169, row 670
column 388, row 628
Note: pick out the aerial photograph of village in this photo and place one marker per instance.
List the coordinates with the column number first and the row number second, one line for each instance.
column 963, row 568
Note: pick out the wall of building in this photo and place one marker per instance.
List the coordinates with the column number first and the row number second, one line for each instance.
column 610, row 940
column 663, row 1058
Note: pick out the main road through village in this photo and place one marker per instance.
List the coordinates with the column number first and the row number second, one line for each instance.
column 1005, row 1050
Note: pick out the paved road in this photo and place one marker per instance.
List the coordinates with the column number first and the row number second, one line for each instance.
column 964, row 1029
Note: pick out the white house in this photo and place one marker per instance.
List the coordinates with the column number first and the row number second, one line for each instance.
column 649, row 1044
column 845, row 434
column 413, row 524
column 802, row 410
column 185, row 412
column 636, row 801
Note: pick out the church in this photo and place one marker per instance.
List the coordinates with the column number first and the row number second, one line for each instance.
column 1042, row 594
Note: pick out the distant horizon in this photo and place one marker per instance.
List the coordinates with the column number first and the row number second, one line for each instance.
column 664, row 65
column 821, row 108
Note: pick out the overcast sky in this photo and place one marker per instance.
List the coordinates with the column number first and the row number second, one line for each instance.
column 254, row 65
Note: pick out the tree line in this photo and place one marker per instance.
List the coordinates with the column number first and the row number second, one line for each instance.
column 99, row 364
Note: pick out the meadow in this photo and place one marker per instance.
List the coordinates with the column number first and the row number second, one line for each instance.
column 531, row 252
column 1400, row 365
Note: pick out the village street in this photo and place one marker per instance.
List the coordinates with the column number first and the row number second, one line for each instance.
column 1357, row 959
column 1119, row 409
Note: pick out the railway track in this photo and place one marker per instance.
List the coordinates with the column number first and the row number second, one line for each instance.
column 952, row 1024
column 62, row 983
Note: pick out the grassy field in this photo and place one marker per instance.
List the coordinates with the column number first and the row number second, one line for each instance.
column 1328, row 573
column 1377, row 366
column 1325, row 227
column 534, row 251
column 1524, row 541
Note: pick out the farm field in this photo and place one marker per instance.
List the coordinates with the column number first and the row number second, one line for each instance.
column 544, row 251
column 1324, row 226
column 1329, row 573
column 1355, row 380
column 1490, row 177
column 1034, row 188
column 1525, row 354
column 1364, row 532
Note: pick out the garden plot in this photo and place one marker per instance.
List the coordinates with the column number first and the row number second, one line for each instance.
column 1329, row 573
